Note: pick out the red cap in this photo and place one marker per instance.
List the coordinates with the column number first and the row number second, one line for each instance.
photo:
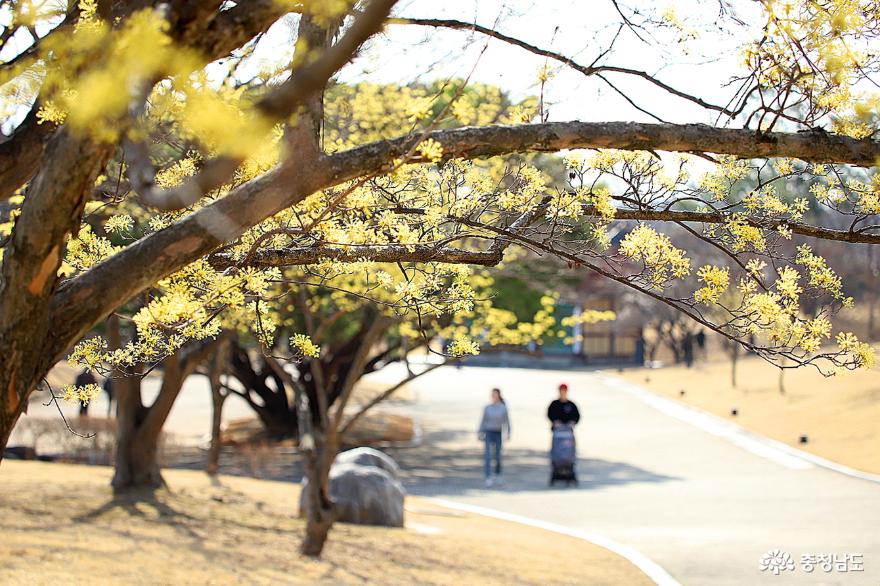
column 563, row 387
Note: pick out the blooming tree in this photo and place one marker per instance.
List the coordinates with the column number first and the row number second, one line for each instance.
column 133, row 165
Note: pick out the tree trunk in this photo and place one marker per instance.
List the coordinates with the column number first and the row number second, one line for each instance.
column 734, row 357
column 273, row 409
column 321, row 512
column 279, row 423
column 872, row 294
column 8, row 418
column 218, row 398
column 136, row 465
column 212, row 466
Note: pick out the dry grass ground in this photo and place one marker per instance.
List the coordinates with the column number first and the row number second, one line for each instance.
column 840, row 415
column 60, row 525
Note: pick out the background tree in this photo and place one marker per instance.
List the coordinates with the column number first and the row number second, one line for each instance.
column 356, row 322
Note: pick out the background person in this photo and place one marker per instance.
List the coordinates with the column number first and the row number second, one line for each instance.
column 108, row 388
column 561, row 410
column 495, row 420
column 82, row 379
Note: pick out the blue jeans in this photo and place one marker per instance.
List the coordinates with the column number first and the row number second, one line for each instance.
column 492, row 438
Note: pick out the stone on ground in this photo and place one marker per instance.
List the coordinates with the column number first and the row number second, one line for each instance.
column 364, row 490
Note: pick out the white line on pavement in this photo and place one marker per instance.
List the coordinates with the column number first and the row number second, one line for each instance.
column 710, row 423
column 760, row 445
column 650, row 568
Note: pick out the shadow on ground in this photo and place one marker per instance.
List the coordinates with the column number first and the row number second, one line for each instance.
column 450, row 462
column 442, row 466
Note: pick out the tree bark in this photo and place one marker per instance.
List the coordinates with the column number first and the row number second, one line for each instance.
column 140, row 428
column 273, row 409
column 136, row 465
column 212, row 466
column 28, row 276
column 321, row 512
column 734, row 356
column 218, row 398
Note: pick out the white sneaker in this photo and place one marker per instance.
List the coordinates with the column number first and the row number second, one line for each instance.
column 488, row 482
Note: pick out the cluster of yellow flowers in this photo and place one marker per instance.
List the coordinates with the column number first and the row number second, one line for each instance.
column 87, row 250
column 662, row 260
column 821, row 276
column 715, row 279
column 84, row 394
column 462, row 345
column 720, row 180
column 588, row 316
column 821, row 49
column 304, row 345
column 865, row 355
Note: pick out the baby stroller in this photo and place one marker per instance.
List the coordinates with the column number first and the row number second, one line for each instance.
column 563, row 455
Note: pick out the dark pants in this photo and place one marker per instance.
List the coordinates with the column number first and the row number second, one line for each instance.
column 492, row 439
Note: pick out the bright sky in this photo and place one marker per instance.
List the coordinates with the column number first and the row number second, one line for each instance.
column 579, row 29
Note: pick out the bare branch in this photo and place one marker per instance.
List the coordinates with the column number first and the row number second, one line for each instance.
column 587, row 70
column 285, row 257
column 765, row 223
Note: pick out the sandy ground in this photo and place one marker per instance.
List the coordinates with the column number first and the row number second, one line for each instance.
column 62, row 525
column 839, row 415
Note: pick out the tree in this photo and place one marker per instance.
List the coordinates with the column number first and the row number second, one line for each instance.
column 251, row 183
column 138, row 426
column 356, row 322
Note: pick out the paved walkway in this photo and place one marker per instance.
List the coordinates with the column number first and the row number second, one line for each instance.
column 703, row 505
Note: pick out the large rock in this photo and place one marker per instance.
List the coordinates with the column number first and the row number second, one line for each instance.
column 369, row 457
column 365, row 492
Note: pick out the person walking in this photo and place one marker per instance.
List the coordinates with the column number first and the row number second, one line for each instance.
column 108, row 388
column 562, row 411
column 494, row 422
column 563, row 415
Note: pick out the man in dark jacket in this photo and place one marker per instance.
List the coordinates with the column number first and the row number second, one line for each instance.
column 562, row 411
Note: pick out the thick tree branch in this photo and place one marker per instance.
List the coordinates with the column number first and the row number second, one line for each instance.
column 89, row 297
column 486, row 141
column 21, row 152
column 283, row 101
